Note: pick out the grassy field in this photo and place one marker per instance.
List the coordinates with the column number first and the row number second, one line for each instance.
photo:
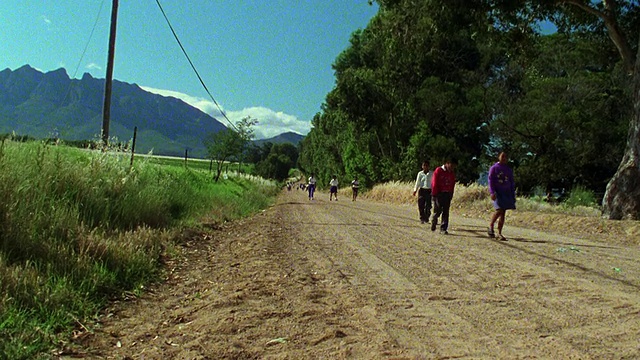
column 193, row 164
column 78, row 228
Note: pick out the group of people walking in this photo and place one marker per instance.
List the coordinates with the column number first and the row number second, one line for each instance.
column 435, row 191
column 436, row 187
column 333, row 187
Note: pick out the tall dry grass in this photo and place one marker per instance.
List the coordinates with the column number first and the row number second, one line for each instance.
column 472, row 198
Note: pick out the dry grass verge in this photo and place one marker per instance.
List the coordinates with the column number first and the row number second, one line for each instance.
column 473, row 201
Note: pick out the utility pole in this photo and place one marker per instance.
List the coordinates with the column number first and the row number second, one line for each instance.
column 106, row 109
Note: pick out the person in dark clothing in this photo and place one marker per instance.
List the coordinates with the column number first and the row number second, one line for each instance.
column 442, row 186
column 502, row 189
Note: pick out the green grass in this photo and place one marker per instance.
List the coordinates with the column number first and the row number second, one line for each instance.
column 78, row 228
column 193, row 164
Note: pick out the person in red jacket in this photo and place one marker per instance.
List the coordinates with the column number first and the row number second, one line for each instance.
column 442, row 186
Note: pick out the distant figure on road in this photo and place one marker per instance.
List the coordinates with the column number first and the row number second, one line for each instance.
column 333, row 188
column 311, row 186
column 423, row 188
column 502, row 188
column 354, row 188
column 442, row 186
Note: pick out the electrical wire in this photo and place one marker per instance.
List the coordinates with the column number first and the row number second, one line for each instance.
column 84, row 52
column 193, row 66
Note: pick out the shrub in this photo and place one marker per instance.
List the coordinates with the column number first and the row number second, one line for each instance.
column 580, row 196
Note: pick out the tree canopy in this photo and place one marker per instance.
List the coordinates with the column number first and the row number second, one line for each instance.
column 435, row 78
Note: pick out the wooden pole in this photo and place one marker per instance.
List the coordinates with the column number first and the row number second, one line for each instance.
column 106, row 109
column 133, row 145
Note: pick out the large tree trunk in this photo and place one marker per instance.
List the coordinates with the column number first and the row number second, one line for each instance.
column 622, row 197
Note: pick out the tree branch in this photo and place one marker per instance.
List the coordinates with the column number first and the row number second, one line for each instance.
column 613, row 28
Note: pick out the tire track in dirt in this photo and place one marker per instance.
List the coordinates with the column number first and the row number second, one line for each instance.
column 522, row 300
column 364, row 280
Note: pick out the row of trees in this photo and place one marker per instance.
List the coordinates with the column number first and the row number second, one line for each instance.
column 272, row 161
column 435, row 78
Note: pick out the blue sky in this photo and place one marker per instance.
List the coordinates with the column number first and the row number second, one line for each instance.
column 267, row 59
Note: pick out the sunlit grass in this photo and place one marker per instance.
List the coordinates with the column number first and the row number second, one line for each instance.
column 476, row 198
column 80, row 227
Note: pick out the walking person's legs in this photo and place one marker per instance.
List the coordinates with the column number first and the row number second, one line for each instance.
column 501, row 219
column 437, row 211
column 445, row 204
column 501, row 203
column 421, row 207
column 498, row 216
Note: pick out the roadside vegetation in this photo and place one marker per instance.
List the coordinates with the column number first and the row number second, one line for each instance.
column 78, row 228
column 580, row 202
column 560, row 103
column 577, row 213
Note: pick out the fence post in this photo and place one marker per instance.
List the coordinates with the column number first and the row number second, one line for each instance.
column 133, row 145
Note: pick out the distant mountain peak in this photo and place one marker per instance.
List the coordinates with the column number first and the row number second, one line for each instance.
column 60, row 71
column 286, row 137
column 37, row 104
column 26, row 68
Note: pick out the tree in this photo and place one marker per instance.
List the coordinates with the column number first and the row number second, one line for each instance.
column 281, row 159
column 229, row 143
column 222, row 146
column 415, row 64
column 246, row 133
column 563, row 113
column 620, row 20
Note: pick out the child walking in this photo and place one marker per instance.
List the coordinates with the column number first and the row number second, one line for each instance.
column 502, row 188
column 333, row 188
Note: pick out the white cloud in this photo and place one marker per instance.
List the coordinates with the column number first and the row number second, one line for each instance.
column 206, row 106
column 93, row 66
column 270, row 122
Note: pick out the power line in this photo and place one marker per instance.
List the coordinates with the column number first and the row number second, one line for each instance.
column 193, row 66
column 84, row 52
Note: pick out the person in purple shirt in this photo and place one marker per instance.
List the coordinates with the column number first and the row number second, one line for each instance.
column 502, row 188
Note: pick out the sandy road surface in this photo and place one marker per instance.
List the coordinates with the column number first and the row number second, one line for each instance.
column 363, row 280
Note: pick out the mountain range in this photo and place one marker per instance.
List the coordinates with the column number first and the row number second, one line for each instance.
column 46, row 105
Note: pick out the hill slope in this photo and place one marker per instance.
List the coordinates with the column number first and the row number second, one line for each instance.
column 53, row 105
column 287, row 137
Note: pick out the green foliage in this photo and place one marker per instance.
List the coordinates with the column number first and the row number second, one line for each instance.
column 580, row 196
column 223, row 146
column 230, row 143
column 564, row 115
column 433, row 79
column 79, row 227
column 278, row 162
column 406, row 89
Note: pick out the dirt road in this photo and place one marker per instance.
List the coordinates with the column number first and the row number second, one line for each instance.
column 364, row 280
